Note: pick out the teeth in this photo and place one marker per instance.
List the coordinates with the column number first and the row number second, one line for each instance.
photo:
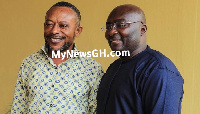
column 55, row 39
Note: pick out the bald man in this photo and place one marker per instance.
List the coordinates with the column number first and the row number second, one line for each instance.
column 146, row 82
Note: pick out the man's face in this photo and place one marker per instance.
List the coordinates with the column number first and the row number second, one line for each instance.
column 126, row 38
column 59, row 28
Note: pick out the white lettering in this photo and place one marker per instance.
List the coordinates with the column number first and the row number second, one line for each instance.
column 117, row 53
column 94, row 54
column 125, row 53
column 55, row 55
column 104, row 52
column 89, row 54
column 69, row 54
column 82, row 54
column 63, row 55
column 76, row 54
column 111, row 53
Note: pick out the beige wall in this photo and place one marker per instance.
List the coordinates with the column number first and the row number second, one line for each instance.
column 173, row 29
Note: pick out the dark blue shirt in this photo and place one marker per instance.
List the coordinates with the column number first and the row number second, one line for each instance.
column 148, row 83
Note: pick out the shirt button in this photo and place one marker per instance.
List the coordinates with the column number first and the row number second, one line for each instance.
column 51, row 105
column 52, row 85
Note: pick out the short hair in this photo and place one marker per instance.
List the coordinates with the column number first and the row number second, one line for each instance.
column 67, row 4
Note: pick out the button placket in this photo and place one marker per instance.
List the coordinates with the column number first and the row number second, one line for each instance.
column 53, row 87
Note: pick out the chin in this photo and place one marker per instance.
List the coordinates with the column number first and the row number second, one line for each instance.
column 115, row 49
column 55, row 49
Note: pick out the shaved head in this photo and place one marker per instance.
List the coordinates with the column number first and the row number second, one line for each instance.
column 127, row 31
column 129, row 8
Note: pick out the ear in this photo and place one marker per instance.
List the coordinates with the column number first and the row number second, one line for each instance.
column 143, row 29
column 78, row 31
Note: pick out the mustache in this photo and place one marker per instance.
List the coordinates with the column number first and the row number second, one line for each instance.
column 57, row 36
column 110, row 38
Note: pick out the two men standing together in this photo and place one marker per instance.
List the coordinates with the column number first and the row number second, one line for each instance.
column 143, row 83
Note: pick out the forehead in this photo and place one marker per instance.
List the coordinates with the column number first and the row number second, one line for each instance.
column 60, row 12
column 124, row 16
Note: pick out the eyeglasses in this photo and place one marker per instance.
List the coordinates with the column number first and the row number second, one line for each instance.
column 118, row 25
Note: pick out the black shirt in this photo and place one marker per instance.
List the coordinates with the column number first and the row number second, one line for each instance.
column 148, row 83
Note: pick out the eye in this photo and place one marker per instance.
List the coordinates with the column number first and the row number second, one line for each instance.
column 63, row 26
column 120, row 25
column 49, row 25
column 109, row 26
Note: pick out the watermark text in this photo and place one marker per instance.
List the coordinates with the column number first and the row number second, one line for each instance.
column 93, row 53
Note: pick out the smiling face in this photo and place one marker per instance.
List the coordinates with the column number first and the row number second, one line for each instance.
column 60, row 28
column 129, row 37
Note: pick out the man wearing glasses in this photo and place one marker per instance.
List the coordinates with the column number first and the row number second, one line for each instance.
column 146, row 82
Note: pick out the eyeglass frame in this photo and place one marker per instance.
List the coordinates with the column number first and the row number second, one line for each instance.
column 113, row 25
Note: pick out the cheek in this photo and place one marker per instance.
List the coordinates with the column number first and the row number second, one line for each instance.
column 129, row 37
column 68, row 33
column 46, row 32
column 47, row 29
column 106, row 36
column 133, row 33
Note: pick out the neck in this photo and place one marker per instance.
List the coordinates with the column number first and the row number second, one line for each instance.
column 59, row 60
column 134, row 53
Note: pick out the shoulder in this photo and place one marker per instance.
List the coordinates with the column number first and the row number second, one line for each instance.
column 156, row 69
column 91, row 65
column 162, row 61
column 34, row 57
column 84, row 59
column 89, row 61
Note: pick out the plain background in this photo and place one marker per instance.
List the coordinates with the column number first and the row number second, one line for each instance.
column 173, row 29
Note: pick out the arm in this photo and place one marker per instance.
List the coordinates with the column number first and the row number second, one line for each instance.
column 94, row 87
column 20, row 98
column 163, row 92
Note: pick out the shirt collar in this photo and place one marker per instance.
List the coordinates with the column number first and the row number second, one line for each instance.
column 45, row 50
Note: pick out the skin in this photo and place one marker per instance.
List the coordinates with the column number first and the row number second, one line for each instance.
column 60, row 30
column 131, row 38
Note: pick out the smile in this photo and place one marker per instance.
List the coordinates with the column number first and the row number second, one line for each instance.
column 114, row 40
column 56, row 40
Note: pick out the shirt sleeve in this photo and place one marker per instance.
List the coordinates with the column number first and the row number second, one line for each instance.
column 163, row 92
column 20, row 95
column 94, row 87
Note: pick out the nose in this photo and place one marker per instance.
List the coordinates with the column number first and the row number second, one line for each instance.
column 112, row 31
column 55, row 29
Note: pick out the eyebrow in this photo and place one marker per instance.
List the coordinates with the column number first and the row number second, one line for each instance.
column 59, row 22
column 117, row 20
column 48, row 20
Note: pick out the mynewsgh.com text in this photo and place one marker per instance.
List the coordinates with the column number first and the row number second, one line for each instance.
column 94, row 53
